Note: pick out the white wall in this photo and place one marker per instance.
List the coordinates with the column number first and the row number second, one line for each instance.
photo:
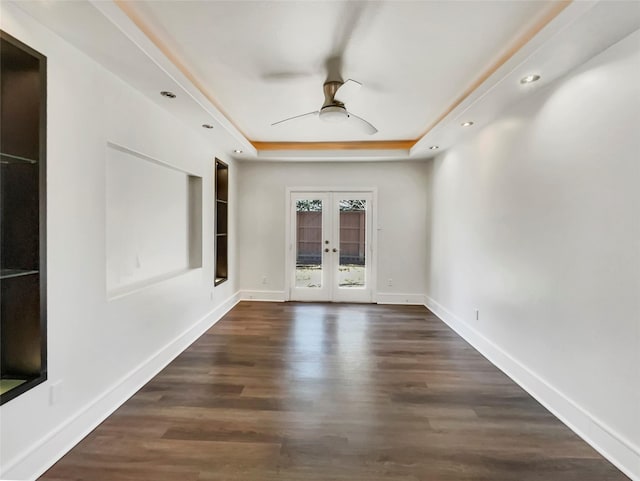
column 535, row 222
column 402, row 230
column 100, row 350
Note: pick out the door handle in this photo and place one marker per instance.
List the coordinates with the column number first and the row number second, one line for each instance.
column 335, row 250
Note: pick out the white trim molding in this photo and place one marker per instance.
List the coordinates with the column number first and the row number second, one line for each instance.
column 399, row 298
column 623, row 453
column 265, row 296
column 41, row 456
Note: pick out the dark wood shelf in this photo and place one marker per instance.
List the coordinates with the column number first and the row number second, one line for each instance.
column 25, row 385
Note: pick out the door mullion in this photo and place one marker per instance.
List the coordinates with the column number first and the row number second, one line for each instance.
column 335, row 243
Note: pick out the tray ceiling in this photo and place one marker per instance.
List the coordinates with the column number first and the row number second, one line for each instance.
column 260, row 62
column 427, row 67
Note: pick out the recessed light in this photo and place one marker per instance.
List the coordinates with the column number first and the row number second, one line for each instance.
column 238, row 151
column 529, row 78
column 434, row 147
column 166, row 93
column 207, row 126
column 467, row 124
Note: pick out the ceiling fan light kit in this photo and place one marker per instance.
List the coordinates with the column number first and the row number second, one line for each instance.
column 333, row 114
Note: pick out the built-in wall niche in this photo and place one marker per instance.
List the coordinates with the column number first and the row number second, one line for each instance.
column 23, row 341
column 153, row 221
column 221, row 187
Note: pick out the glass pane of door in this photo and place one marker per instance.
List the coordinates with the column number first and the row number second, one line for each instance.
column 353, row 236
column 309, row 243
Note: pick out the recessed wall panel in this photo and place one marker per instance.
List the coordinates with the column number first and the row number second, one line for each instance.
column 153, row 220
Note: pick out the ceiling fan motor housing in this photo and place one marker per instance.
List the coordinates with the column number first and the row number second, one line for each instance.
column 332, row 110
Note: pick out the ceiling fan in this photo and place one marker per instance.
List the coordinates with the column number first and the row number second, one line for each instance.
column 333, row 109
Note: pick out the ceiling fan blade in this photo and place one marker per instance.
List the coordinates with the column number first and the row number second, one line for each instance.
column 316, row 112
column 285, row 76
column 347, row 90
column 366, row 126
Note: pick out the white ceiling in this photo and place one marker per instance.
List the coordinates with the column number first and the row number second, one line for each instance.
column 262, row 65
column 265, row 61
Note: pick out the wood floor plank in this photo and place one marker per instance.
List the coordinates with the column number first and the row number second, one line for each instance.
column 331, row 392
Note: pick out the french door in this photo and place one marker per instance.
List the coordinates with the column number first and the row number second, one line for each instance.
column 330, row 249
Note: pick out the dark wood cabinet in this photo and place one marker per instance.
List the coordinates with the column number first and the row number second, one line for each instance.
column 23, row 103
column 221, row 213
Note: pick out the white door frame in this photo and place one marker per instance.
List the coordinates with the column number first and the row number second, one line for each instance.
column 373, row 248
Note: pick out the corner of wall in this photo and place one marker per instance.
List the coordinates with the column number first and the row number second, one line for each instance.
column 620, row 451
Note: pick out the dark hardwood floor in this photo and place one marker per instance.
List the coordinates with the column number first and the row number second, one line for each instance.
column 331, row 392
